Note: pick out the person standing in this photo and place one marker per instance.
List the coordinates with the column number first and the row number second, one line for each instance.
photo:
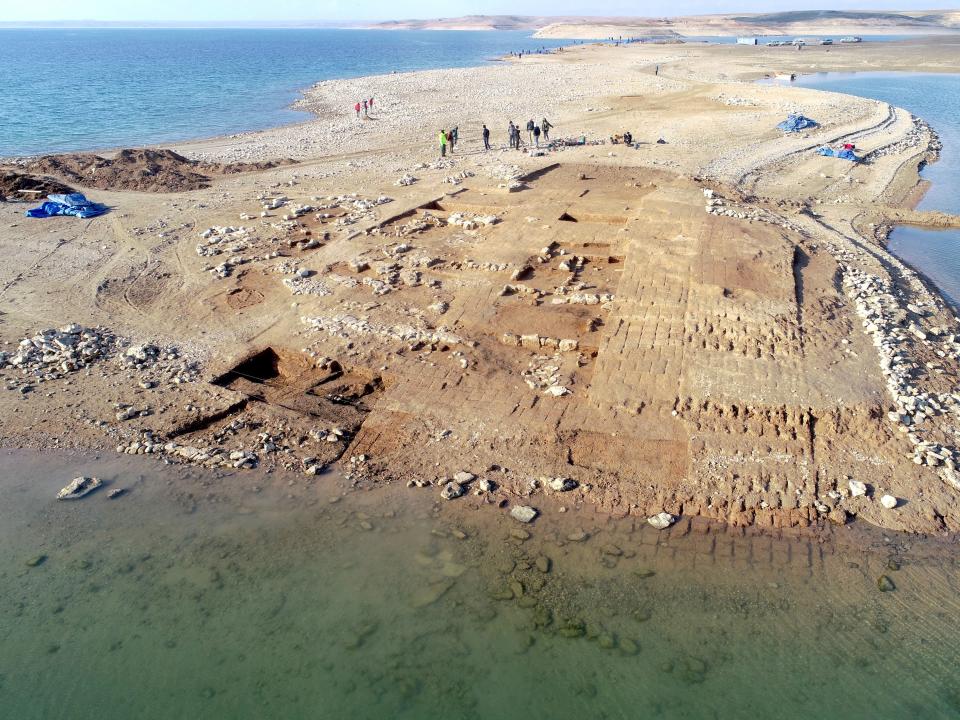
column 365, row 109
column 454, row 136
column 510, row 130
column 357, row 108
column 486, row 138
column 371, row 104
column 530, row 131
column 546, row 127
column 450, row 141
column 443, row 144
column 536, row 135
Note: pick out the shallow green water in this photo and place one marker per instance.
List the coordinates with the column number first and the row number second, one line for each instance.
column 201, row 597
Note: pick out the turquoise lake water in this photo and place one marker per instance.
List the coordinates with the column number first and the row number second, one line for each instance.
column 240, row 595
column 81, row 89
column 935, row 98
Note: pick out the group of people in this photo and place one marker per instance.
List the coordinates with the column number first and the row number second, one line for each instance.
column 534, row 133
column 365, row 105
column 448, row 138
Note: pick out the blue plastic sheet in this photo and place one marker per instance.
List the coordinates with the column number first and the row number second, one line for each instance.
column 796, row 123
column 75, row 204
column 844, row 154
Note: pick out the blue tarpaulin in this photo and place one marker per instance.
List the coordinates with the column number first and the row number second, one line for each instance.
column 74, row 204
column 796, row 123
column 844, row 154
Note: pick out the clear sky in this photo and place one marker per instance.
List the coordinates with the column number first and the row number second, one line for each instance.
column 345, row 10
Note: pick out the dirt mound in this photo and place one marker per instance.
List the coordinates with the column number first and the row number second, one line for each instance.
column 19, row 186
column 143, row 170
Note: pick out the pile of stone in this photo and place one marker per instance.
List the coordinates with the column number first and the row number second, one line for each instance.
column 418, row 224
column 304, row 282
column 472, row 222
column 406, row 180
column 272, row 203
column 126, row 412
column 458, row 178
column 505, row 172
column 351, row 327
column 167, row 360
column 213, row 457
column 584, row 299
column 51, row 354
column 543, row 373
column 520, row 289
column 228, row 238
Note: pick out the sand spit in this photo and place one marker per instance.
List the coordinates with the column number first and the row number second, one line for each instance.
column 703, row 326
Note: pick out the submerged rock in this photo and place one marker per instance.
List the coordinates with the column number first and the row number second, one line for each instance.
column 523, row 513
column 79, row 487
column 885, row 584
column 429, row 594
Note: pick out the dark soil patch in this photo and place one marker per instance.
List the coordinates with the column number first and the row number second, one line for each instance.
column 21, row 186
column 142, row 170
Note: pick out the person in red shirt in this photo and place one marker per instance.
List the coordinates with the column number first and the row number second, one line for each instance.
column 357, row 108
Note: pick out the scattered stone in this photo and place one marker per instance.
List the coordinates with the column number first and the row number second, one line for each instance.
column 857, row 488
column 662, row 520
column 885, row 584
column 452, row 490
column 523, row 513
column 36, row 561
column 78, row 488
column 563, row 484
column 629, row 647
column 889, row 502
column 116, row 492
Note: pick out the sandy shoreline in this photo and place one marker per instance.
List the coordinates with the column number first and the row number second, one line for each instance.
column 724, row 375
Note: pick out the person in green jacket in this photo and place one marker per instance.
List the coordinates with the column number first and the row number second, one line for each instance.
column 443, row 143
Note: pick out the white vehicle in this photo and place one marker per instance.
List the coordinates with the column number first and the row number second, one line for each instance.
column 852, row 39
column 826, row 41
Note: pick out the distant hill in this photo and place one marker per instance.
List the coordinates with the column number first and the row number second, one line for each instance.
column 784, row 22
